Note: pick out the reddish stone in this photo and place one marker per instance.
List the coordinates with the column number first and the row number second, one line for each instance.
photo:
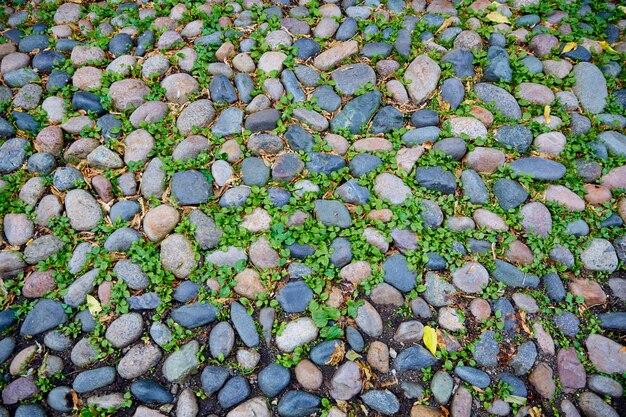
column 591, row 291
column 21, row 389
column 38, row 283
column 103, row 187
column 571, row 372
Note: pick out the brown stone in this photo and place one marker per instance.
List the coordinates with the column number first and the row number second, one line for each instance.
column 480, row 309
column 597, row 194
column 571, row 372
column 248, row 283
column 424, row 411
column 591, row 291
column 519, row 253
column 378, row 356
column 103, row 187
column 482, row 114
column 309, row 375
column 50, row 140
column 485, row 160
column 542, row 380
column 38, row 283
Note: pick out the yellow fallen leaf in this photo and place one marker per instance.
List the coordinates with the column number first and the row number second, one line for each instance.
column 93, row 305
column 352, row 356
column 622, row 8
column 546, row 114
column 605, row 45
column 430, row 339
column 497, row 17
column 570, row 46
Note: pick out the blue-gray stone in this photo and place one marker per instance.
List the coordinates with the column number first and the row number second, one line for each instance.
column 532, row 64
column 150, row 392
column 287, row 166
column 486, row 350
column 396, row 272
column 222, row 91
column 29, row 410
column 45, row 61
column 262, row 120
column 292, row 87
column 110, row 127
column 124, row 210
column 186, row 291
column 213, row 378
column 363, row 164
column 65, row 178
column 473, row 376
column 300, row 251
column 324, row 163
column 254, row 172
column 578, row 228
column 326, row 97
column 517, row 137
column 94, row 379
column 505, row 309
column 498, row 68
column 510, row 194
column 322, row 352
column 7, row 345
column 424, row 118
column 376, row 50
column 613, row 320
column 512, row 276
column 501, row 99
column 353, row 193
column 57, row 80
column 298, row 404
column 413, row 358
column 245, row 86
column 355, row 339
column 191, row 187
column 524, row 359
column 541, row 169
column 84, row 100
column 615, row 142
column 60, row 399
column 332, row 213
column 145, row 41
column 347, row 29
column 436, row 179
column 31, row 42
column 294, row 297
column 120, row 44
column 273, row 379
column 357, row 113
column 435, row 262
column 235, row 391
column 45, row 315
column 41, row 163
column 341, row 252
column 402, row 44
column 455, row 148
column 122, row 239
column 461, row 61
column 453, row 92
column 279, row 196
column 20, row 77
column 229, row 122
column 385, row 402
column 146, row 301
column 194, row 315
column 25, row 121
column 6, row 128
column 387, row 119
column 516, row 384
column 568, row 323
column 307, row 48
column 554, row 286
column 421, row 135
column 244, row 324
column 235, row 197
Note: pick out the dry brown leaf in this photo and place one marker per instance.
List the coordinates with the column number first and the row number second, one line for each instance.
column 338, row 354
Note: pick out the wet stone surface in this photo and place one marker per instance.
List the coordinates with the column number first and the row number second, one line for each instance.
column 293, row 208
